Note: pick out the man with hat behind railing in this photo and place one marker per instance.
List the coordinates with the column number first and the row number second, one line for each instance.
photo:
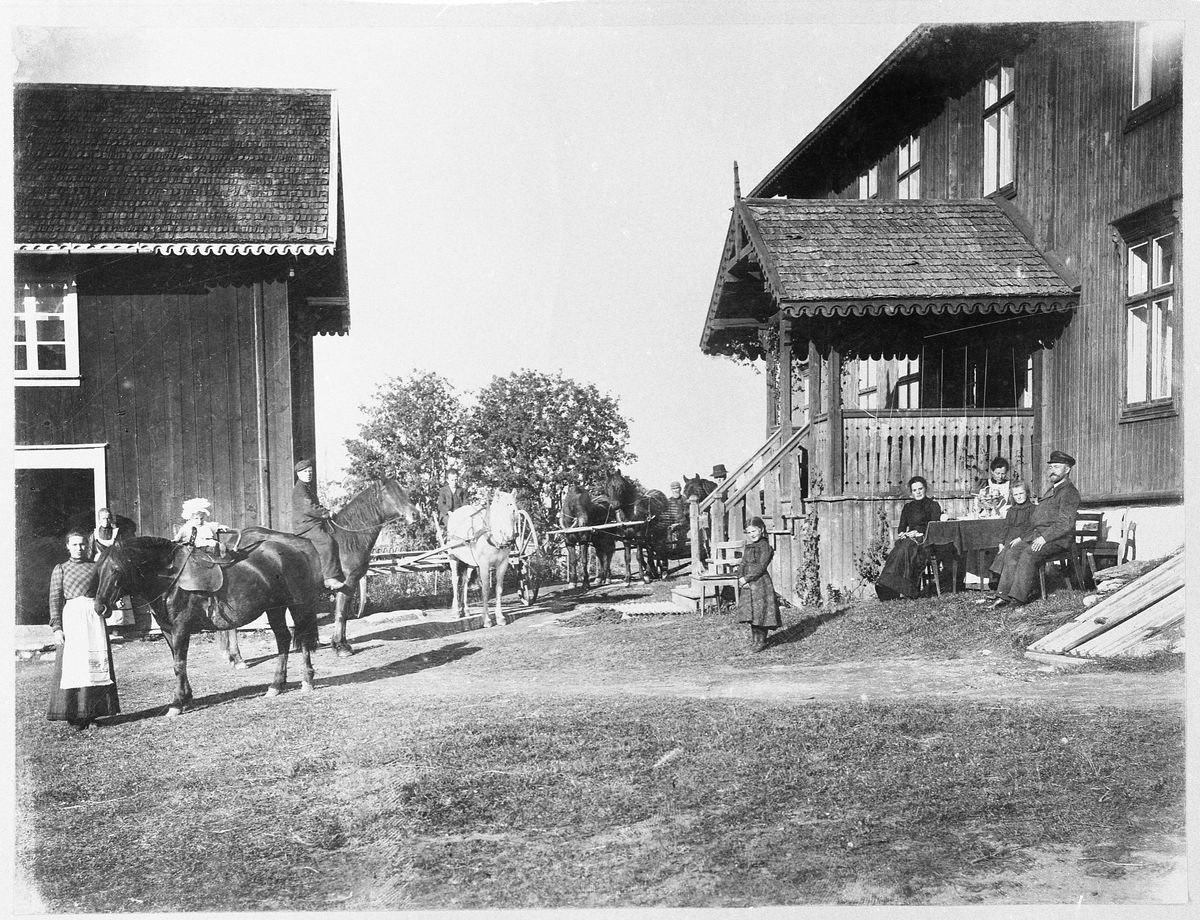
column 1051, row 529
column 311, row 521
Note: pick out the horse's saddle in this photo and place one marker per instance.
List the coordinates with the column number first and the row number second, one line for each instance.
column 201, row 571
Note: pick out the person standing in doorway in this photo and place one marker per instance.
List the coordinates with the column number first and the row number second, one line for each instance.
column 105, row 534
column 84, row 683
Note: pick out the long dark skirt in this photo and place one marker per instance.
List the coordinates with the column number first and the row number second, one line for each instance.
column 901, row 575
column 758, row 604
column 82, row 704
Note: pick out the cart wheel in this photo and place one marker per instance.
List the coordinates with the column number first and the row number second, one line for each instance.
column 527, row 586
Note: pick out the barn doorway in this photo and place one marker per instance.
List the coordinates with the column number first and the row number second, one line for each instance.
column 57, row 489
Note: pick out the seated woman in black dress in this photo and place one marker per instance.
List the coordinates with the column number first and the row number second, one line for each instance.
column 901, row 575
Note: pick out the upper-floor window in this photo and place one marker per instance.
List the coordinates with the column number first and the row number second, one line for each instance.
column 1150, row 319
column 999, row 134
column 908, row 168
column 868, row 183
column 1156, row 60
column 46, row 334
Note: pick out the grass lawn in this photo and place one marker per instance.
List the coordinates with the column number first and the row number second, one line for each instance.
column 552, row 765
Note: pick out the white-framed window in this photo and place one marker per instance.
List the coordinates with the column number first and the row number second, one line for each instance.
column 1150, row 320
column 908, row 168
column 906, row 394
column 868, row 183
column 999, row 132
column 1156, row 58
column 46, row 334
column 868, row 383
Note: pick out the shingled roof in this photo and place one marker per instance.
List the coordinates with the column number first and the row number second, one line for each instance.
column 174, row 169
column 813, row 258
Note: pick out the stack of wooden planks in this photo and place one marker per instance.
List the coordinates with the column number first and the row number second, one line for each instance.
column 1126, row 622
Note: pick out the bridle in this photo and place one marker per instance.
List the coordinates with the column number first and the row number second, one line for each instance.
column 374, row 529
column 152, row 601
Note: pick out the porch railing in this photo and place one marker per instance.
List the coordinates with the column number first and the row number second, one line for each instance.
column 951, row 449
column 757, row 486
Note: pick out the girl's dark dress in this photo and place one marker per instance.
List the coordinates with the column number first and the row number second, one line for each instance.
column 1016, row 523
column 901, row 575
column 757, row 604
column 78, row 705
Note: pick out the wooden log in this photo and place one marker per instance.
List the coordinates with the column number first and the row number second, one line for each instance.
column 1117, row 608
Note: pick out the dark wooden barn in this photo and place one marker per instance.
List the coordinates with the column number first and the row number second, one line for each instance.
column 977, row 253
column 176, row 251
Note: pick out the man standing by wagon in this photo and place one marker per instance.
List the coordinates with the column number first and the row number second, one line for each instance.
column 311, row 520
column 1051, row 529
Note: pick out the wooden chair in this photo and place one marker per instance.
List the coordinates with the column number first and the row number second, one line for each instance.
column 1088, row 527
column 722, row 570
column 932, row 572
column 1107, row 553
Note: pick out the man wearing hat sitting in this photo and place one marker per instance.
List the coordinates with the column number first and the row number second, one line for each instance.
column 311, row 521
column 1051, row 529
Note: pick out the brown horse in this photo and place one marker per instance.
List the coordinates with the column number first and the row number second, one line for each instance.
column 579, row 508
column 356, row 529
column 647, row 533
column 277, row 574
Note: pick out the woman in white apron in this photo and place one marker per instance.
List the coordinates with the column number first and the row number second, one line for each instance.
column 84, row 684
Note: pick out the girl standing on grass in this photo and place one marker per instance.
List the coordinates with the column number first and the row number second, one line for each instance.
column 757, row 604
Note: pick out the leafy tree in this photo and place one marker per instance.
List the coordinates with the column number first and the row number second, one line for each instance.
column 536, row 432
column 411, row 433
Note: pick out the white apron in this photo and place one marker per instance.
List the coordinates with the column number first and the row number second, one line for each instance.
column 85, row 646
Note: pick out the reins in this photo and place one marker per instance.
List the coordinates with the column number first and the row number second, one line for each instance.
column 379, row 526
column 150, row 603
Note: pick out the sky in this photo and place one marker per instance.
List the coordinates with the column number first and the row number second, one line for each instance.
column 542, row 186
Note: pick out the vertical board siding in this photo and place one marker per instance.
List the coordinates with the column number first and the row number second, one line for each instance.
column 1080, row 170
column 279, row 403
column 847, row 528
column 1077, row 170
column 168, row 382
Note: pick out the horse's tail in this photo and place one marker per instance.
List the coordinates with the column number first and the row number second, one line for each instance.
column 305, row 636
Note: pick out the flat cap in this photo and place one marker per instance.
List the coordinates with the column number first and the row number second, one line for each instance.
column 305, row 464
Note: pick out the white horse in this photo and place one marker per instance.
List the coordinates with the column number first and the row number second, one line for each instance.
column 482, row 538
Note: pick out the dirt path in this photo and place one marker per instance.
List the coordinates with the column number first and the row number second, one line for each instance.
column 979, row 676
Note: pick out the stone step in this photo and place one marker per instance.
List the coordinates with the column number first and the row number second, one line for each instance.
column 687, row 596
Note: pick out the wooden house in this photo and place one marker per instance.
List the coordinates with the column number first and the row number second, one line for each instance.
column 975, row 254
column 177, row 249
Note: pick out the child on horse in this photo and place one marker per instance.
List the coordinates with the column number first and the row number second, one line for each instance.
column 198, row 530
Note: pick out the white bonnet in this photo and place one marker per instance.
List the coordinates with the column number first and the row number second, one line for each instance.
column 196, row 505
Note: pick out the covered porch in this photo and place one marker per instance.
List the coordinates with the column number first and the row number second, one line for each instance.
column 899, row 338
